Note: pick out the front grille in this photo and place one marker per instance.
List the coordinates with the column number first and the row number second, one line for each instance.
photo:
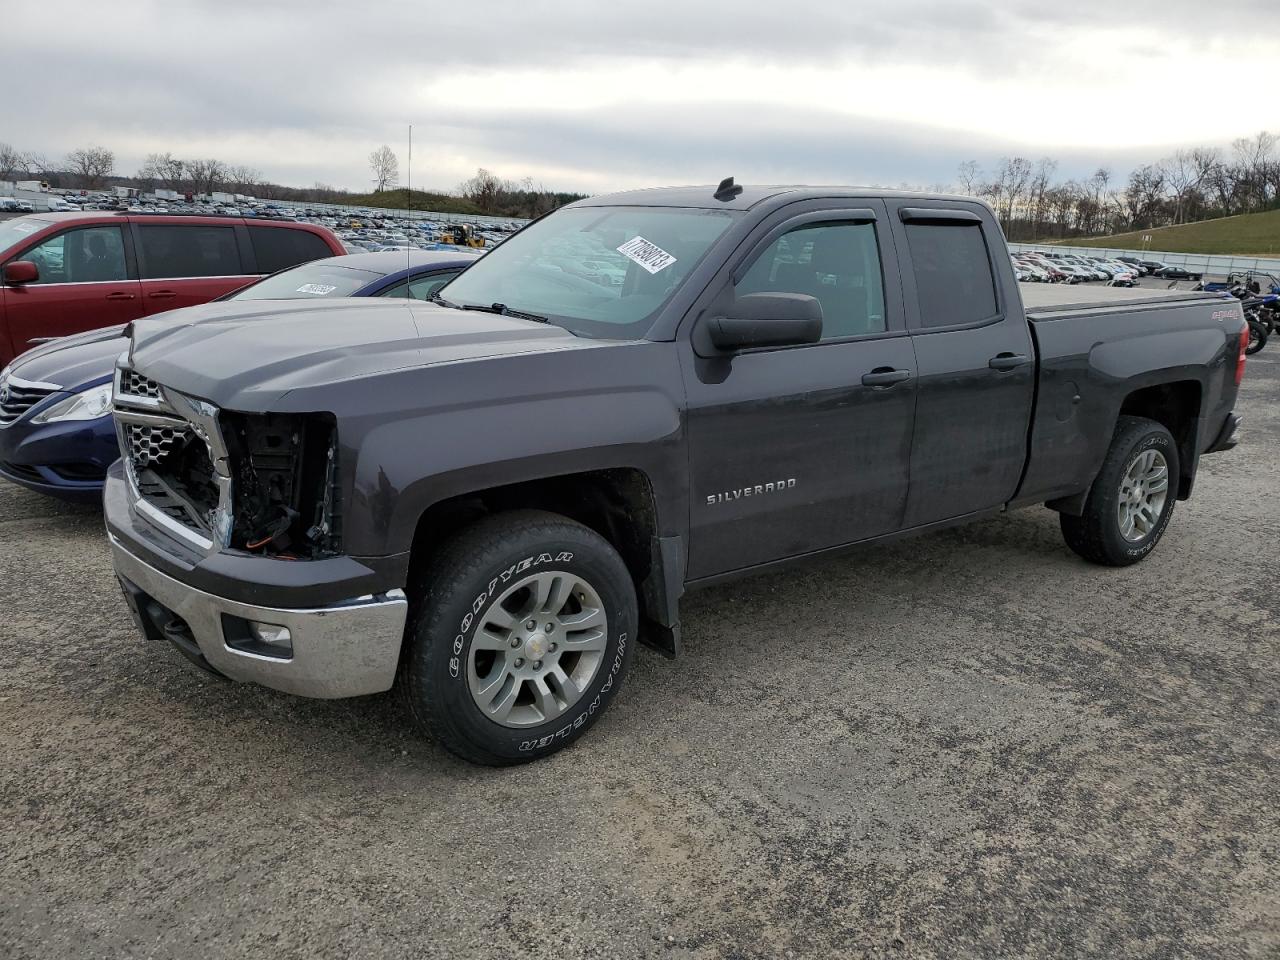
column 150, row 444
column 19, row 398
column 165, row 440
column 134, row 384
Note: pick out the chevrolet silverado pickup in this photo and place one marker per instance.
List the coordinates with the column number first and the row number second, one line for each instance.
column 487, row 500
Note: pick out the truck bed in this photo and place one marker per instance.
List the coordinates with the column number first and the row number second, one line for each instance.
column 1052, row 300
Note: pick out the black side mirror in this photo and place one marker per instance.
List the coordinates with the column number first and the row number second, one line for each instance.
column 767, row 320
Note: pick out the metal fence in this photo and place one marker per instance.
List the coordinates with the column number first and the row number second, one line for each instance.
column 1196, row 262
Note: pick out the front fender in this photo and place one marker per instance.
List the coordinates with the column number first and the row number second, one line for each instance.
column 516, row 420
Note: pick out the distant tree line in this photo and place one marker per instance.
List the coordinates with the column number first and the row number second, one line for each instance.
column 1194, row 184
column 93, row 167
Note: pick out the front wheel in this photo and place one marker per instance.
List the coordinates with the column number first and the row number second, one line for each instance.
column 1132, row 497
column 521, row 631
column 1258, row 336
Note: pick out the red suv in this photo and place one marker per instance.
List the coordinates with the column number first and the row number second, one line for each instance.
column 65, row 273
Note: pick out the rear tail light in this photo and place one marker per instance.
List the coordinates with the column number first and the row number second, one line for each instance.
column 1244, row 345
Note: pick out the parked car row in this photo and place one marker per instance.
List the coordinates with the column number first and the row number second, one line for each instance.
column 1059, row 267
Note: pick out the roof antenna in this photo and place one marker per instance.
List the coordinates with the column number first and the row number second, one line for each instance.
column 408, row 265
column 727, row 190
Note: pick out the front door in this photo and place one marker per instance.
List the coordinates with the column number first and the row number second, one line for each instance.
column 84, row 284
column 799, row 448
column 976, row 361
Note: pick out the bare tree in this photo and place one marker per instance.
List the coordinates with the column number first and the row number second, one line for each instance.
column 484, row 190
column 385, row 167
column 12, row 162
column 165, row 168
column 970, row 176
column 206, row 176
column 244, row 178
column 92, row 164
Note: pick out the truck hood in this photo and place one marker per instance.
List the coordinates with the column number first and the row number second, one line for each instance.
column 243, row 355
column 75, row 362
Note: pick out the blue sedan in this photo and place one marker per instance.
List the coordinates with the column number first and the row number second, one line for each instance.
column 56, row 432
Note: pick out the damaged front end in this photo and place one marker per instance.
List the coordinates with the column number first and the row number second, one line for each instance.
column 284, row 472
column 261, row 483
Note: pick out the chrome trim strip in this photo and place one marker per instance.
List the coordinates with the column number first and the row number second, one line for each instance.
column 185, row 413
column 32, row 384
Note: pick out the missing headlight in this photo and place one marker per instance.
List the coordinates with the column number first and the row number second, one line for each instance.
column 284, row 469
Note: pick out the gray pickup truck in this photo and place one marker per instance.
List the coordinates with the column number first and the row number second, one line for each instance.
column 488, row 500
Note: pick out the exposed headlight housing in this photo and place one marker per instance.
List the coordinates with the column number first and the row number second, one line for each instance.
column 86, row 405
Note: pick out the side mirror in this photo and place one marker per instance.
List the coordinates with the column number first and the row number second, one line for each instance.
column 767, row 320
column 21, row 271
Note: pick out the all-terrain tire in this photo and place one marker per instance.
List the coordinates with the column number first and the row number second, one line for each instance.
column 1096, row 534
column 447, row 635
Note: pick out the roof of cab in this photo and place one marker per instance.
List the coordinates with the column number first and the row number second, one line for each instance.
column 749, row 197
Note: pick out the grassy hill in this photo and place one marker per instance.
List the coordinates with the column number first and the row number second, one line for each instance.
column 422, row 200
column 1251, row 234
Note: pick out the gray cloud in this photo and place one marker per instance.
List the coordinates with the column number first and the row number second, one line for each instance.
column 304, row 88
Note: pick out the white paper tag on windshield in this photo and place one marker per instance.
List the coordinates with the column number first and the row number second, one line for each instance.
column 318, row 289
column 649, row 255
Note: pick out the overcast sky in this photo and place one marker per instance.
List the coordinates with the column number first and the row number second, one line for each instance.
column 594, row 96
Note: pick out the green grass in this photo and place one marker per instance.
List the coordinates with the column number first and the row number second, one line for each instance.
column 1248, row 235
column 422, row 200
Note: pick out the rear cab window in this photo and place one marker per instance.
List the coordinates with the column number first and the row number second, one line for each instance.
column 951, row 265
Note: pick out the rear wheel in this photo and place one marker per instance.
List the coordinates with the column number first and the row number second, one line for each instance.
column 521, row 632
column 1132, row 497
column 1258, row 336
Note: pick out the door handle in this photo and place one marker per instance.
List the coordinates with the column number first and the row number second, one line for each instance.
column 885, row 377
column 121, row 296
column 1007, row 361
column 162, row 295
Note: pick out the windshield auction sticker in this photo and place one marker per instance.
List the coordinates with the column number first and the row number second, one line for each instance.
column 649, row 255
column 318, row 289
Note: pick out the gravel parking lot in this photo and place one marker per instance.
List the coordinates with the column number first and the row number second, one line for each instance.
column 967, row 745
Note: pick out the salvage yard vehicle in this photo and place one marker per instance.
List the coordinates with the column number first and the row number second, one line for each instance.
column 64, row 273
column 56, row 432
column 489, row 499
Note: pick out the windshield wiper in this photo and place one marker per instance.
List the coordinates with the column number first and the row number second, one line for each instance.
column 436, row 298
column 502, row 310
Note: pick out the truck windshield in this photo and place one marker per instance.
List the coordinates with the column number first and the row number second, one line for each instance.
column 600, row 272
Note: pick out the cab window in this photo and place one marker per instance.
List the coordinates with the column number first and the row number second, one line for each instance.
column 836, row 263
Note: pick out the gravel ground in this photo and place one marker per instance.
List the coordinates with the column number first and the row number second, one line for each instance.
column 967, row 745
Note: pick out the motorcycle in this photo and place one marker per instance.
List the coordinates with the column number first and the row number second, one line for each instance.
column 1261, row 311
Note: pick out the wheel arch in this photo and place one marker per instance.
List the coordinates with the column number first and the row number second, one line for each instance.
column 619, row 503
column 1176, row 405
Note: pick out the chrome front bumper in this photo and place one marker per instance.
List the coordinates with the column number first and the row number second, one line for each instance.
column 342, row 650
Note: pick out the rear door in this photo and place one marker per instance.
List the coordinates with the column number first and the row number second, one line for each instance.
column 183, row 264
column 87, row 280
column 976, row 360
column 799, row 448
